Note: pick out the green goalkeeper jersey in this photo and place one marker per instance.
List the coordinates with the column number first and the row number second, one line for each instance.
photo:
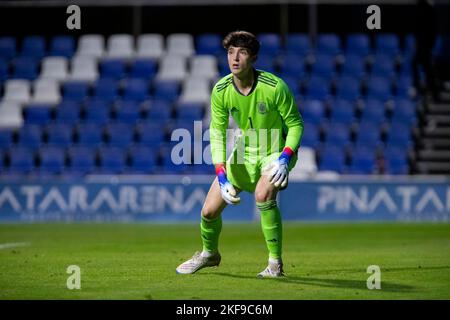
column 268, row 116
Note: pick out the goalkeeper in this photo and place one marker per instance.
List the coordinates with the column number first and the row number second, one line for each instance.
column 264, row 109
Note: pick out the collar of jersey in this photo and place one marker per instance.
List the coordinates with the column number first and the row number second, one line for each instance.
column 255, row 82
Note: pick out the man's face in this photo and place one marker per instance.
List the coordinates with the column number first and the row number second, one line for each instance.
column 239, row 60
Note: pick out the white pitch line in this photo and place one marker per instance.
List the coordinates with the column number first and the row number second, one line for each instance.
column 13, row 245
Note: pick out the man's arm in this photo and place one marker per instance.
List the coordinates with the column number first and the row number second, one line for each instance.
column 218, row 128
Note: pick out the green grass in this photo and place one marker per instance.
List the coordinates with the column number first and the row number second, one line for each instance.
column 138, row 261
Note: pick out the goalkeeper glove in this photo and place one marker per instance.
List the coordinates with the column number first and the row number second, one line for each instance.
column 226, row 188
column 280, row 169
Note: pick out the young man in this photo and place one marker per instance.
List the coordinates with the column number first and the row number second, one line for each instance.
column 265, row 110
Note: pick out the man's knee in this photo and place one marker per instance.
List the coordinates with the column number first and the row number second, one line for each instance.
column 263, row 194
column 209, row 213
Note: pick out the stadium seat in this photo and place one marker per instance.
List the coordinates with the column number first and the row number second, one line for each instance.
column 354, row 66
column 112, row 69
column 373, row 111
column 46, row 91
column 310, row 136
column 363, row 161
column 404, row 111
column 195, row 90
column 25, row 68
column 204, row 66
column 265, row 62
column 106, row 90
column 119, row 135
column 337, row 135
column 383, row 66
column 329, row 44
column 144, row 69
column 97, row 112
column 166, row 90
column 368, row 136
column 82, row 160
column 8, row 47
column 379, row 88
column 293, row 66
column 143, row 160
column 63, row 46
column 90, row 45
column 68, row 112
column 39, row 114
column 313, row 111
column 4, row 71
column 358, row 44
column 83, row 68
column 404, row 87
column 318, row 89
column 323, row 67
column 112, row 160
column 298, row 43
column 190, row 111
column 136, row 90
column 21, row 160
column 387, row 43
column 75, row 90
column 270, row 44
column 400, row 136
column 150, row 46
column 181, row 44
column 52, row 160
column 342, row 112
column 332, row 159
column 33, row 47
column 173, row 68
column 348, row 88
column 294, row 85
column 17, row 90
column 160, row 111
column 55, row 68
column 59, row 135
column 89, row 135
column 6, row 138
column 150, row 134
column 10, row 115
column 128, row 112
column 209, row 43
column 120, row 46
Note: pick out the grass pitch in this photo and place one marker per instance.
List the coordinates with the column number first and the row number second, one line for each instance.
column 138, row 261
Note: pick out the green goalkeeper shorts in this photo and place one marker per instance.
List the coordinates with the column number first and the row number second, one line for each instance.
column 245, row 174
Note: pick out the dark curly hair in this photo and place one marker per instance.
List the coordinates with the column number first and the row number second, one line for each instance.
column 242, row 39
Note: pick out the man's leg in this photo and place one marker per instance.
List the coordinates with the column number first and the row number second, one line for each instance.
column 265, row 196
column 210, row 226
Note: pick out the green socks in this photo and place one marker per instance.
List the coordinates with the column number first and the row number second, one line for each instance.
column 210, row 231
column 271, row 227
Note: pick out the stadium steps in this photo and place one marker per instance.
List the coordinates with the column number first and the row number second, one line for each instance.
column 433, row 144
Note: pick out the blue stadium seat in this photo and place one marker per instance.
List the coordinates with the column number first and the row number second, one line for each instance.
column 25, row 68
column 21, row 160
column 52, row 160
column 150, row 134
column 383, row 66
column 342, row 112
column 59, row 135
column 298, row 43
column 387, row 43
column 39, row 114
column 136, row 90
column 112, row 160
column 337, row 135
column 354, row 66
column 265, row 62
column 270, row 44
column 89, row 134
column 6, row 138
column 144, row 69
column 190, row 111
column 128, row 112
column 328, row 44
column 30, row 136
column 313, row 111
column 181, row 124
column 294, row 85
column 106, row 89
column 373, row 111
column 363, row 161
column 404, row 111
column 167, row 90
column 168, row 166
column 209, row 43
column 62, row 46
column 293, row 66
column 368, row 136
column 8, row 47
column 348, row 88
column 324, row 66
column 75, row 90
column 400, row 136
column 68, row 112
column 160, row 110
column 34, row 47
column 112, row 69
column 310, row 136
column 119, row 135
column 318, row 89
column 358, row 44
column 396, row 160
column 332, row 159
column 97, row 111
column 82, row 160
column 143, row 159
column 404, row 87
column 2, row 162
column 379, row 88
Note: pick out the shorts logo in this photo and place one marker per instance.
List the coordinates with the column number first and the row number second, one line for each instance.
column 262, row 108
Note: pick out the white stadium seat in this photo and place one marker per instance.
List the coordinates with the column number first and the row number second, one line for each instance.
column 10, row 115
column 17, row 90
column 54, row 68
column 84, row 68
column 204, row 66
column 150, row 45
column 92, row 45
column 172, row 67
column 46, row 91
column 196, row 90
column 120, row 46
column 180, row 44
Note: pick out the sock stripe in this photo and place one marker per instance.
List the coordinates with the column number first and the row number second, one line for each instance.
column 263, row 206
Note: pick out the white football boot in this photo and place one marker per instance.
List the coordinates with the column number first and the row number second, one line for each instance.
column 273, row 270
column 198, row 262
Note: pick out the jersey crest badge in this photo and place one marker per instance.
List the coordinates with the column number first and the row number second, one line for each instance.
column 262, row 108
